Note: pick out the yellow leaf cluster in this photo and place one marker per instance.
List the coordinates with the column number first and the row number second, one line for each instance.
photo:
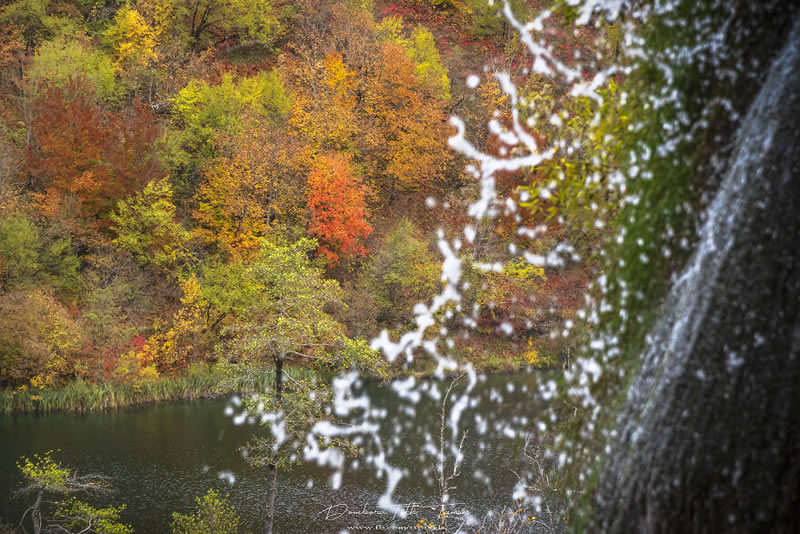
column 42, row 380
column 517, row 276
column 338, row 78
column 133, row 40
column 135, row 367
column 174, row 349
column 325, row 116
column 492, row 97
column 250, row 193
column 229, row 208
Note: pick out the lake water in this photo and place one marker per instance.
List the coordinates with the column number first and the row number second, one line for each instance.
column 161, row 456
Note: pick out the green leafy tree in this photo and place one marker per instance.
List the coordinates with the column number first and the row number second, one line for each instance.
column 486, row 20
column 64, row 57
column 36, row 21
column 574, row 185
column 19, row 255
column 401, row 273
column 204, row 23
column 44, row 477
column 229, row 290
column 213, row 513
column 77, row 517
column 202, row 111
column 29, row 257
column 147, row 227
column 291, row 410
column 289, row 320
column 430, row 70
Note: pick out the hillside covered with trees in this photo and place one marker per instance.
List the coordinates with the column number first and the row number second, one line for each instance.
column 173, row 172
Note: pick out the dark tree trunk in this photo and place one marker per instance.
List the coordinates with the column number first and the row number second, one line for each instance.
column 273, row 471
column 278, row 378
column 709, row 437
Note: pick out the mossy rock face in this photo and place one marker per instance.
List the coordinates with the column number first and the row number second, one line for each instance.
column 675, row 155
column 687, row 140
column 703, row 438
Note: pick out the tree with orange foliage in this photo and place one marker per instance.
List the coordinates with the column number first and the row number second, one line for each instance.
column 408, row 124
column 11, row 45
column 84, row 158
column 339, row 214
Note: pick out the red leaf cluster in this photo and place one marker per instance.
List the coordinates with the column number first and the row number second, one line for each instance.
column 83, row 158
column 337, row 201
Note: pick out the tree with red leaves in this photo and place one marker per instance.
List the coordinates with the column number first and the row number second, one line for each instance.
column 85, row 158
column 337, row 200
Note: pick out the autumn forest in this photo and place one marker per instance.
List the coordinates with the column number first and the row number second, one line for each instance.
column 165, row 164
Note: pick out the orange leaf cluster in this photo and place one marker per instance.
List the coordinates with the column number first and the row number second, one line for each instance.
column 337, row 203
column 409, row 139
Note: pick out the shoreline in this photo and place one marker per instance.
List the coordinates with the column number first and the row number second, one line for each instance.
column 79, row 396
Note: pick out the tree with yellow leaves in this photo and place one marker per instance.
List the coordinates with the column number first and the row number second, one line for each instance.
column 230, row 207
column 249, row 192
column 131, row 38
column 324, row 104
column 203, row 23
column 176, row 348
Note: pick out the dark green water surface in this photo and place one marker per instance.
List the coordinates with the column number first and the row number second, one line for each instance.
column 161, row 456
